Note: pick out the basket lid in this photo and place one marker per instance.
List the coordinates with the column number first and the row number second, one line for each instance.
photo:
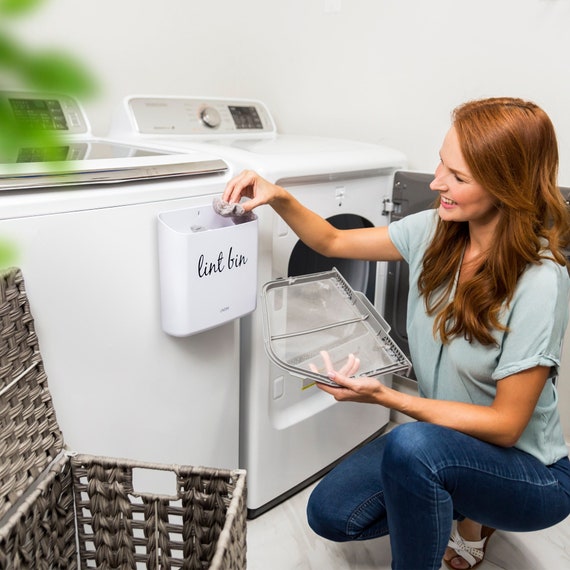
column 321, row 312
column 30, row 438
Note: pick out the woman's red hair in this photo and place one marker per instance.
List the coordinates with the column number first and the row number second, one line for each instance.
column 510, row 147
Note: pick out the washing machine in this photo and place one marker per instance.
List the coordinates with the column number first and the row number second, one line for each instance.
column 291, row 433
column 84, row 231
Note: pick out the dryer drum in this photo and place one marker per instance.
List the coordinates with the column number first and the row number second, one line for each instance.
column 361, row 275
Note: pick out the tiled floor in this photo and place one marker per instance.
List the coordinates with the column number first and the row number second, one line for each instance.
column 281, row 540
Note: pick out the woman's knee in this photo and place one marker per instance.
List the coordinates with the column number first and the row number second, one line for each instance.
column 323, row 517
column 414, row 445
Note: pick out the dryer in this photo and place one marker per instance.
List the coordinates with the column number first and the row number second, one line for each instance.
column 291, row 433
column 85, row 233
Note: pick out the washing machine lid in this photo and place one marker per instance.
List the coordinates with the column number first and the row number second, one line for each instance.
column 69, row 155
column 74, row 163
column 306, row 315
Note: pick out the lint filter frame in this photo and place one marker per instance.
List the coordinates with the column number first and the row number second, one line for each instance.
column 305, row 315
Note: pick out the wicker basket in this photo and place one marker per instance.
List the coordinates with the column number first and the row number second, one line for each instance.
column 67, row 511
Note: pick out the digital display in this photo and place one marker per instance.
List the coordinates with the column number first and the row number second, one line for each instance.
column 245, row 117
column 42, row 114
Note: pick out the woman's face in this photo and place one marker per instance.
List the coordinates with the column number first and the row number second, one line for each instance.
column 462, row 199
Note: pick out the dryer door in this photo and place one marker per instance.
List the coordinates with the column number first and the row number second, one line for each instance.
column 411, row 194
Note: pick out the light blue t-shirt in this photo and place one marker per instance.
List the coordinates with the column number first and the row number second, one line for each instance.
column 468, row 371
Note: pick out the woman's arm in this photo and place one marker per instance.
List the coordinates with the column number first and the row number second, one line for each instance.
column 500, row 423
column 371, row 244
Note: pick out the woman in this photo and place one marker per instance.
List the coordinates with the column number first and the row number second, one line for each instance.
column 487, row 311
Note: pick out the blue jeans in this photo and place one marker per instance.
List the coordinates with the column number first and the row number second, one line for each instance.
column 413, row 481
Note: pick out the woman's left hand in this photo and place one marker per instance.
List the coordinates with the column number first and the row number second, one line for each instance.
column 361, row 389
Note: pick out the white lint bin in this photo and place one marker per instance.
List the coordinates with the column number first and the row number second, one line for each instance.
column 208, row 269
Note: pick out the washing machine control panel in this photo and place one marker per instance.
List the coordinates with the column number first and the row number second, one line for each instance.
column 46, row 112
column 195, row 116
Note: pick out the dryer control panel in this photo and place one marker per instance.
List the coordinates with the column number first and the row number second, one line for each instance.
column 187, row 116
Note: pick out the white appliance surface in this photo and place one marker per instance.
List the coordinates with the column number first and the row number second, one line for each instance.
column 121, row 386
column 290, row 431
column 207, row 125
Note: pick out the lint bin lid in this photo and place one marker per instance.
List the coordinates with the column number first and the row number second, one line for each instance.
column 306, row 315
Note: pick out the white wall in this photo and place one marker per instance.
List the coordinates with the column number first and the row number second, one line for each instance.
column 386, row 71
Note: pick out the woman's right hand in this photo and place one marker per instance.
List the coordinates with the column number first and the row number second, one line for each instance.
column 249, row 184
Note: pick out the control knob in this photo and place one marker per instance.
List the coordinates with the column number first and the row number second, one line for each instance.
column 210, row 117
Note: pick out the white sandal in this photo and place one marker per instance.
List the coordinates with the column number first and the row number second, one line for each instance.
column 472, row 552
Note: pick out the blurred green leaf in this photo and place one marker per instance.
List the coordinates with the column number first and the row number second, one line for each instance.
column 45, row 71
column 8, row 254
column 10, row 53
column 16, row 7
column 42, row 72
column 49, row 71
column 57, row 72
column 16, row 137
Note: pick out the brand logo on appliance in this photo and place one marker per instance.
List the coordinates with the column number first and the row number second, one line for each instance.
column 224, row 261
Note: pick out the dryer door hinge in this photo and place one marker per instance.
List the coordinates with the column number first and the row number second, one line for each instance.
column 387, row 206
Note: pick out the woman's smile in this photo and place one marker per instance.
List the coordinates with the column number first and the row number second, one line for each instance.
column 447, row 202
